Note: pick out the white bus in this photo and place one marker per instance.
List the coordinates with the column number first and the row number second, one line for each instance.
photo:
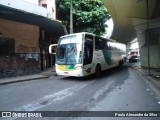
column 83, row 54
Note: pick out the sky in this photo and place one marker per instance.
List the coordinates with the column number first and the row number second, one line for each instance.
column 109, row 29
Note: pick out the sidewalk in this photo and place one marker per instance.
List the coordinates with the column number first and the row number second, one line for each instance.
column 154, row 74
column 44, row 74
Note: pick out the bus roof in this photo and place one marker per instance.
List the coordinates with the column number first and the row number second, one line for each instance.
column 89, row 34
column 77, row 33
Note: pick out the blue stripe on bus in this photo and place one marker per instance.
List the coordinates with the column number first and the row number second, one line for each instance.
column 108, row 56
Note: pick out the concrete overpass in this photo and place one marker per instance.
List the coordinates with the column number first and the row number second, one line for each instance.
column 130, row 21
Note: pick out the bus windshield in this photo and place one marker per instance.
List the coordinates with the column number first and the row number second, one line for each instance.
column 69, row 50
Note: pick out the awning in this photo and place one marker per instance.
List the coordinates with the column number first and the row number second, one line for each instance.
column 53, row 27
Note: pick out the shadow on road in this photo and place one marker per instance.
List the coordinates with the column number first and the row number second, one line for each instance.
column 103, row 75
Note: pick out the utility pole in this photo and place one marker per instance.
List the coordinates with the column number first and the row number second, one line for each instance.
column 71, row 17
column 148, row 37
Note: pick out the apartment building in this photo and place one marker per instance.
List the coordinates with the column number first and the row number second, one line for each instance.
column 27, row 28
column 48, row 4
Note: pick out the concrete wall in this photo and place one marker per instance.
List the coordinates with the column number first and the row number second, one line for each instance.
column 141, row 26
column 26, row 6
column 154, row 56
column 33, row 1
column 51, row 7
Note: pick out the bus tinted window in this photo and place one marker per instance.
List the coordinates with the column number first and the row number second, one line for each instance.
column 98, row 43
column 88, row 49
column 105, row 45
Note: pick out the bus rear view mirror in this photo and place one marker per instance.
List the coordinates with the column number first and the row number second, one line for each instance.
column 52, row 49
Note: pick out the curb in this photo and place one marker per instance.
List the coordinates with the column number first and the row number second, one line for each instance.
column 149, row 78
column 23, row 80
column 45, row 74
column 17, row 81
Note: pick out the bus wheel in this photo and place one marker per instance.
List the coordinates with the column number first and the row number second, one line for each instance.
column 120, row 62
column 98, row 71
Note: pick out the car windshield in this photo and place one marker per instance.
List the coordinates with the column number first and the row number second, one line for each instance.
column 134, row 57
column 69, row 50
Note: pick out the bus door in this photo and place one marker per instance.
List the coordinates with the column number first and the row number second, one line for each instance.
column 88, row 53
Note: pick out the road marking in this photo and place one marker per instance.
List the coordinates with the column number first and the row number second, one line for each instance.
column 49, row 99
column 102, row 90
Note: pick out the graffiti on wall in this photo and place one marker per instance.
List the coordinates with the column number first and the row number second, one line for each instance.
column 16, row 65
column 27, row 56
column 27, row 52
column 22, row 48
column 25, row 49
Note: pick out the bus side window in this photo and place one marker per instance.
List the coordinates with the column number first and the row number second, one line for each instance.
column 88, row 49
column 105, row 44
column 98, row 43
column 108, row 46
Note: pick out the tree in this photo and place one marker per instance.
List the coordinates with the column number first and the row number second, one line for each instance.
column 88, row 15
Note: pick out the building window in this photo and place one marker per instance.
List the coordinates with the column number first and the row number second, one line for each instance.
column 44, row 5
column 7, row 47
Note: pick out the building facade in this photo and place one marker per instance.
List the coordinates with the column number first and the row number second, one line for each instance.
column 48, row 4
column 25, row 35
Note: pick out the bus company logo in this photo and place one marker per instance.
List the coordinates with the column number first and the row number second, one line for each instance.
column 6, row 114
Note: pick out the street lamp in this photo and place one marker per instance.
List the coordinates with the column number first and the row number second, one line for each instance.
column 71, row 17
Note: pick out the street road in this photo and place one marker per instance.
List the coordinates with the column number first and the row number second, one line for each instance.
column 118, row 89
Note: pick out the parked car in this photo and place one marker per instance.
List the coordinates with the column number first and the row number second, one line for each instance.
column 134, row 58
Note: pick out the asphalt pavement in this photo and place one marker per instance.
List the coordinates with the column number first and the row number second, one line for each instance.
column 118, row 89
column 153, row 76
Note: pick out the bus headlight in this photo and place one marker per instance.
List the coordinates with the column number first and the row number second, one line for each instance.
column 78, row 68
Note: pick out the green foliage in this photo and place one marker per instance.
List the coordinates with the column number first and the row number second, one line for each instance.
column 88, row 15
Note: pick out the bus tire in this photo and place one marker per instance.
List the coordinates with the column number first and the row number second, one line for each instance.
column 98, row 70
column 121, row 62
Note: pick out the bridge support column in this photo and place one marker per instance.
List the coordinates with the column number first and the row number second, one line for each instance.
column 154, row 41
